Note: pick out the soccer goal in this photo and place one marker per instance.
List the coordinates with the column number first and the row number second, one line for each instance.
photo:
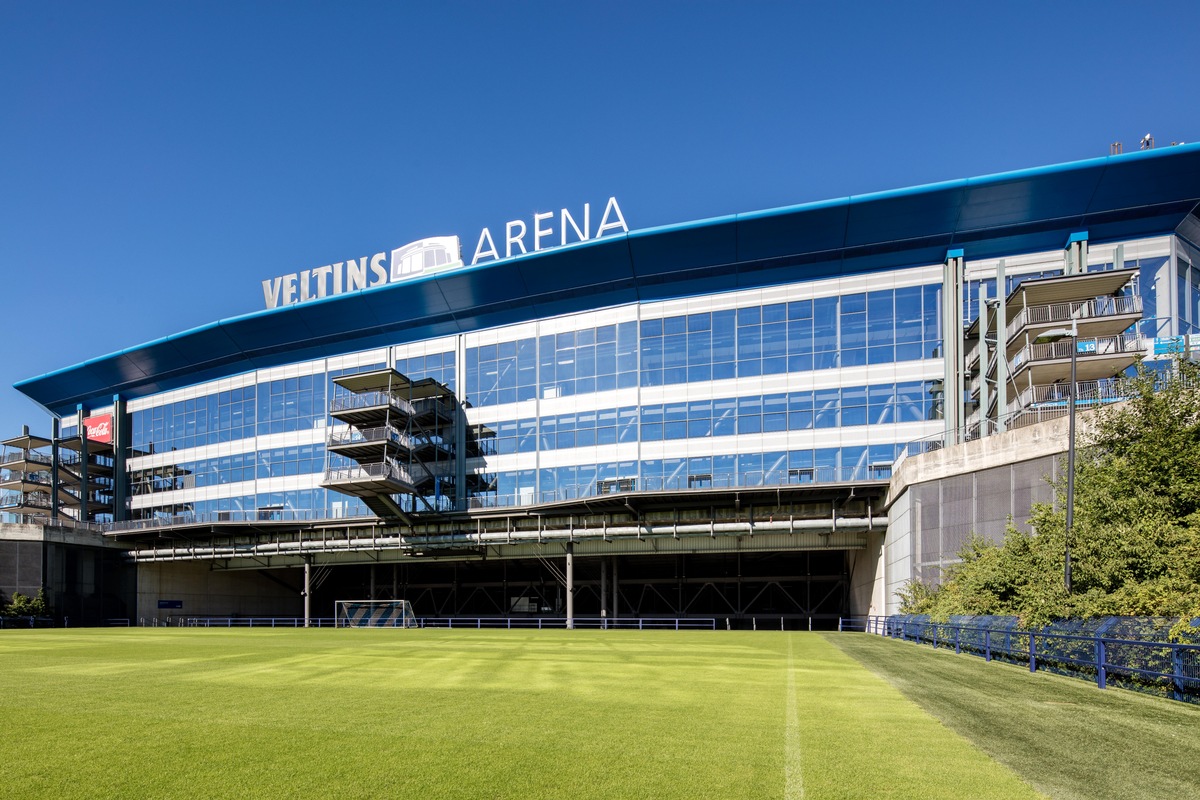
column 374, row 614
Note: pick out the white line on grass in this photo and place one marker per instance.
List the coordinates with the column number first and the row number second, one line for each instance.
column 793, row 781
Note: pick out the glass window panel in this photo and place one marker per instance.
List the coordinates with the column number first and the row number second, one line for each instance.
column 673, row 326
column 749, row 316
column 854, row 303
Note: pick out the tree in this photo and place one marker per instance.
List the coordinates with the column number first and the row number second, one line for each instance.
column 25, row 606
column 1135, row 543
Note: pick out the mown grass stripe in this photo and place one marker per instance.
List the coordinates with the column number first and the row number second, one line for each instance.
column 793, row 784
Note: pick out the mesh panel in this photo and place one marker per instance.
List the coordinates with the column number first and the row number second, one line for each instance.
column 927, row 503
column 958, row 506
column 993, row 502
column 1030, row 486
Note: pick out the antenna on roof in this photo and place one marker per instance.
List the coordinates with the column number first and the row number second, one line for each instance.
column 1115, row 149
column 1147, row 142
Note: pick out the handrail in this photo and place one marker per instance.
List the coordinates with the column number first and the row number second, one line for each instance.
column 385, row 433
column 1085, row 348
column 1105, row 390
column 40, row 478
column 1095, row 308
column 25, row 500
column 382, row 470
column 351, row 402
column 26, row 455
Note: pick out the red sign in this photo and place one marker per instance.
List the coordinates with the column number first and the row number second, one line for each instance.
column 99, row 429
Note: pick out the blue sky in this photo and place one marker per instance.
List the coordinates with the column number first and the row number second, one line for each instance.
column 159, row 160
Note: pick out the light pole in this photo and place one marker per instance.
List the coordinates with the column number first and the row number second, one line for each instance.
column 1055, row 335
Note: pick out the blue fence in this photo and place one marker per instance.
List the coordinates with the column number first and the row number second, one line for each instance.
column 1129, row 652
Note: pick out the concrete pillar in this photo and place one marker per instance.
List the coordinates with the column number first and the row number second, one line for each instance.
column 570, row 585
column 307, row 590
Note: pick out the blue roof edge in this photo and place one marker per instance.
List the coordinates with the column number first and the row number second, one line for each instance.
column 467, row 270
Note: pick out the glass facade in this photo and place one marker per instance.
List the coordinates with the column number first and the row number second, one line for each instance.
column 813, row 381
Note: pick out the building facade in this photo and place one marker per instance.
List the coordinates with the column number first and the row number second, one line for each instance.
column 659, row 384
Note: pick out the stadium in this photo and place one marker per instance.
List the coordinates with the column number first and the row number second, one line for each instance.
column 773, row 418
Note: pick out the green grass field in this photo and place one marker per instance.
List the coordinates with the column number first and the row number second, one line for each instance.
column 519, row 714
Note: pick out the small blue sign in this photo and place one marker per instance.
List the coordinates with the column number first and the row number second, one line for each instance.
column 170, row 604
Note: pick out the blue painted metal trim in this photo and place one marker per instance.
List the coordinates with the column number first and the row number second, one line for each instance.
column 954, row 254
column 1078, row 236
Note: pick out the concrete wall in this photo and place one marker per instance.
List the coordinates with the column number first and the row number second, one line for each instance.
column 206, row 592
column 867, row 577
column 939, row 500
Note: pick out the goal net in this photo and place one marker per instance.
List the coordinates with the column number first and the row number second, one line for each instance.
column 374, row 614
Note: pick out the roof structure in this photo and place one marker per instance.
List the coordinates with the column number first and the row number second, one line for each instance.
column 1116, row 197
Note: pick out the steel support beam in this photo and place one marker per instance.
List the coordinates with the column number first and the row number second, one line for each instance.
column 570, row 588
column 307, row 591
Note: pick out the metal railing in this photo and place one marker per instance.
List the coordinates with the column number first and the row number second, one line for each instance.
column 386, row 433
column 238, row 622
column 429, row 405
column 352, row 402
column 1096, row 308
column 1086, row 393
column 457, row 623
column 26, row 622
column 1086, row 348
column 26, row 455
column 1129, row 652
column 40, row 478
column 218, row 517
column 12, row 499
column 603, row 623
column 803, row 476
column 384, row 470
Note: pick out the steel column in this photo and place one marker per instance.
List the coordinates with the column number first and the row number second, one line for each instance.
column 603, row 587
column 1001, row 350
column 54, row 465
column 570, row 588
column 83, row 465
column 308, row 591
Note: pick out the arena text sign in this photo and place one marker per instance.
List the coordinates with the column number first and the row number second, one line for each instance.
column 547, row 230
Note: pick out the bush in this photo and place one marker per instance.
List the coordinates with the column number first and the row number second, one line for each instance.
column 25, row 606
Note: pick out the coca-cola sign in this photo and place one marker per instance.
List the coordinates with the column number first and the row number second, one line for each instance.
column 99, row 429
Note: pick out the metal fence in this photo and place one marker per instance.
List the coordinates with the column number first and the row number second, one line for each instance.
column 539, row 623
column 26, row 622
column 1128, row 652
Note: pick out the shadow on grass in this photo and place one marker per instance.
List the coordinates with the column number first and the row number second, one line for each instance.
column 1066, row 737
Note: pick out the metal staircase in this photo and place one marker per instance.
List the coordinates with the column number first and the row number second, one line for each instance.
column 392, row 443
